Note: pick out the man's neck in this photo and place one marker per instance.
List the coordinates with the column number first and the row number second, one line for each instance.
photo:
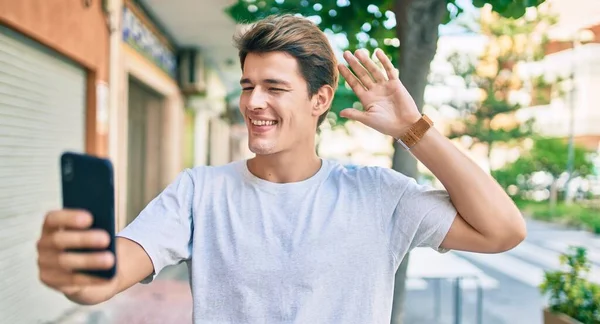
column 285, row 167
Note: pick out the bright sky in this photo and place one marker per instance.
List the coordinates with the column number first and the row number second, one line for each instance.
column 452, row 28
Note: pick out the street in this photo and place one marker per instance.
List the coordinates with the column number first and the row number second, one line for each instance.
column 510, row 281
column 166, row 300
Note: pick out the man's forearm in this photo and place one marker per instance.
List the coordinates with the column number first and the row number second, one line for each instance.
column 92, row 295
column 479, row 199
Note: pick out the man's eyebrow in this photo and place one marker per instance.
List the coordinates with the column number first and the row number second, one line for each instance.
column 277, row 82
column 269, row 81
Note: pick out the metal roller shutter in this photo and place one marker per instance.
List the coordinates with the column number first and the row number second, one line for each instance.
column 42, row 113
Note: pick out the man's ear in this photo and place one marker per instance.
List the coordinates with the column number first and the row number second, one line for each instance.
column 322, row 100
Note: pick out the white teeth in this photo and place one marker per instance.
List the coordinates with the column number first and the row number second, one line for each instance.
column 263, row 122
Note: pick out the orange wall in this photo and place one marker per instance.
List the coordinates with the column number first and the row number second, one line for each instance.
column 74, row 30
column 557, row 46
column 64, row 25
column 590, row 142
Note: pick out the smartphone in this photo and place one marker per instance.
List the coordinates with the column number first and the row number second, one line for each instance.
column 88, row 184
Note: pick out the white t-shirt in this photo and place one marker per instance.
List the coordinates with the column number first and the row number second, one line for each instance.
column 323, row 250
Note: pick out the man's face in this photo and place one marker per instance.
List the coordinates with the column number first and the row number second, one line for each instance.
column 278, row 111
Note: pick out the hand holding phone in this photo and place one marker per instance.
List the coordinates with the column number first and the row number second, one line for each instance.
column 77, row 245
column 60, row 268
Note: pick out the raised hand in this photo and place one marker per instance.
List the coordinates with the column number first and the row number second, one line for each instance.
column 388, row 107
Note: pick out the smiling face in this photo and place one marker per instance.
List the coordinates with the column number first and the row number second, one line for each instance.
column 289, row 76
column 279, row 113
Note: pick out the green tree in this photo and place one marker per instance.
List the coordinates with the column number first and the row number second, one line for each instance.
column 495, row 77
column 547, row 155
column 385, row 24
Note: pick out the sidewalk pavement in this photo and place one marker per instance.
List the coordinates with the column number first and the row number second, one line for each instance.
column 166, row 300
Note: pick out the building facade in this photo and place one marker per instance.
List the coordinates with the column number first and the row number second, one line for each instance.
column 120, row 79
column 573, row 57
column 54, row 58
column 147, row 123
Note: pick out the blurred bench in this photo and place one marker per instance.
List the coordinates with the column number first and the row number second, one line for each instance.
column 432, row 266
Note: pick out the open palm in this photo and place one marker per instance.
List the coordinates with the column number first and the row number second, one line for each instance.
column 388, row 107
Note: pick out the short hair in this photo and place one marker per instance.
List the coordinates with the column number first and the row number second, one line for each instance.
column 298, row 37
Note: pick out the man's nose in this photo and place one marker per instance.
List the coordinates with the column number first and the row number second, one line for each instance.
column 257, row 100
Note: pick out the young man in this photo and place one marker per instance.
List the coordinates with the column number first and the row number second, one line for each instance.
column 288, row 237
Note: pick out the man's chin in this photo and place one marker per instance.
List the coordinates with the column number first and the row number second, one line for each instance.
column 261, row 147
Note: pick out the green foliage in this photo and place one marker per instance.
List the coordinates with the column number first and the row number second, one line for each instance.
column 515, row 174
column 508, row 8
column 344, row 98
column 550, row 155
column 366, row 24
column 490, row 119
column 574, row 215
column 546, row 155
column 570, row 292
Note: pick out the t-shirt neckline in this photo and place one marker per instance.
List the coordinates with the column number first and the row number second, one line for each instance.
column 275, row 187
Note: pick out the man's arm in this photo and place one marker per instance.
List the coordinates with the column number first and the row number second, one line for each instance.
column 488, row 220
column 133, row 265
column 161, row 235
column 65, row 230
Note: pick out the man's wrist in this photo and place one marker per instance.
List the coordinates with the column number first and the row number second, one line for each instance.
column 412, row 134
column 405, row 126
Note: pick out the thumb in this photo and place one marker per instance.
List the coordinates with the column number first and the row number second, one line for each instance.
column 354, row 114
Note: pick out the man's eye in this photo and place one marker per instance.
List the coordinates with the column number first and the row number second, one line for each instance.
column 276, row 89
column 247, row 89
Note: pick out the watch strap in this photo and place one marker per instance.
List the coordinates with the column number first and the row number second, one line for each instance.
column 414, row 134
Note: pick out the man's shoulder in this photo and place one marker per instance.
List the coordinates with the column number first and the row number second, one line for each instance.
column 202, row 171
column 355, row 171
column 371, row 173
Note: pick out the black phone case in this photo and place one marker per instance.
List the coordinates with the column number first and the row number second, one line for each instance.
column 87, row 183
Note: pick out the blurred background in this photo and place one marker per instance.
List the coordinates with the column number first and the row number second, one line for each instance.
column 153, row 86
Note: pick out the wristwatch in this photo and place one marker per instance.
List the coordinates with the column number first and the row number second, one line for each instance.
column 414, row 134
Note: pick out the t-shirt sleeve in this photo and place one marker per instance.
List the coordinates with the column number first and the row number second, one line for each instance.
column 414, row 215
column 164, row 227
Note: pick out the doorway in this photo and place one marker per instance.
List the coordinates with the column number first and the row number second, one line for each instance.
column 144, row 147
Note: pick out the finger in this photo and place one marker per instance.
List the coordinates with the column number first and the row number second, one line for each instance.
column 58, row 278
column 375, row 71
column 354, row 83
column 87, row 239
column 70, row 289
column 361, row 73
column 67, row 218
column 86, row 261
column 75, row 261
column 391, row 71
column 47, row 261
column 355, row 114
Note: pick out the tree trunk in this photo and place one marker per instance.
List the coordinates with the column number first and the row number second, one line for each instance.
column 417, row 29
column 490, row 147
column 553, row 195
